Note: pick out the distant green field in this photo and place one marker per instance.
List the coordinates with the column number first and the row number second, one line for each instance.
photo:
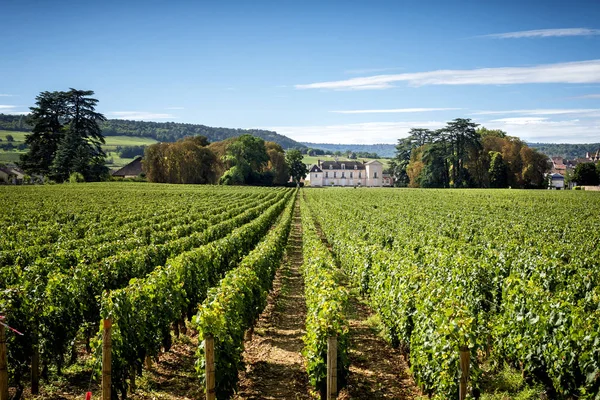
column 111, row 144
column 313, row 159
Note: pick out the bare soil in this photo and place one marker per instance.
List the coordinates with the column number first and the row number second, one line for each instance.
column 275, row 367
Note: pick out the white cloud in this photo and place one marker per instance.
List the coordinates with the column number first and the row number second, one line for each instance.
column 6, row 107
column 569, row 72
column 175, row 108
column 542, row 33
column 7, row 95
column 369, row 70
column 545, row 130
column 589, row 96
column 520, row 120
column 139, row 115
column 364, row 133
column 551, row 111
column 394, row 110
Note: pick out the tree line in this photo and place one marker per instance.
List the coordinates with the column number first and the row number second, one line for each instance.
column 464, row 155
column 161, row 131
column 244, row 160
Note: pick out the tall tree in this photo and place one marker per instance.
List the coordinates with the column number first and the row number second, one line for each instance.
column 297, row 168
column 48, row 119
column 498, row 172
column 246, row 158
column 66, row 137
column 462, row 136
column 586, row 174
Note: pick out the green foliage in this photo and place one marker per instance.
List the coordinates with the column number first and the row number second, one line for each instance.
column 498, row 171
column 586, row 174
column 83, row 243
column 10, row 138
column 76, row 177
column 234, row 305
column 297, row 168
column 326, row 303
column 484, row 269
column 65, row 136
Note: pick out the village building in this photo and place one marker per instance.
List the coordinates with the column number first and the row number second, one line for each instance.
column 346, row 173
column 556, row 181
column 593, row 157
column 11, row 175
column 131, row 170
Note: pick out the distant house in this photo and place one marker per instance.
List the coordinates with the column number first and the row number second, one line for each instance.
column 346, row 173
column 131, row 170
column 11, row 175
column 593, row 157
column 556, row 181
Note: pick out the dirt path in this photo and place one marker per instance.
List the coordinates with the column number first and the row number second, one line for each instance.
column 377, row 371
column 274, row 363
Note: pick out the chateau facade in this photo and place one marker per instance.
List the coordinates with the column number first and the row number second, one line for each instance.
column 347, row 173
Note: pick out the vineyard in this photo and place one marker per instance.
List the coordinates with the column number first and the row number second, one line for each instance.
column 490, row 279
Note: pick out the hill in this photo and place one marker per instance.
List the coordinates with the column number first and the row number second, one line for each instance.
column 161, row 131
column 566, row 150
column 382, row 149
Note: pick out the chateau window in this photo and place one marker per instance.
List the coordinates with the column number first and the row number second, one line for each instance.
column 326, row 174
column 343, row 174
column 355, row 167
column 359, row 175
column 375, row 175
column 335, row 174
column 343, row 166
column 350, row 175
column 330, row 166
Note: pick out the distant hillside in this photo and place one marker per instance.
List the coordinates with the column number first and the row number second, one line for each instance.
column 382, row 149
column 565, row 150
column 161, row 131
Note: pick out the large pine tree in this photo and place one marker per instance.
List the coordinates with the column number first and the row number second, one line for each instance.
column 66, row 137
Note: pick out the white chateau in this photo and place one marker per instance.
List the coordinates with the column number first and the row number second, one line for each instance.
column 347, row 173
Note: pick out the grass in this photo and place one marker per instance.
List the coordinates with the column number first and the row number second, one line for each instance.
column 508, row 384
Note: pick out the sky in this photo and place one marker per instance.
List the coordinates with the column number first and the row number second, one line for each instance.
column 348, row 71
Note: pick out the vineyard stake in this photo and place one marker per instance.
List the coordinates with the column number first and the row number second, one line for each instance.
column 465, row 358
column 35, row 370
column 209, row 351
column 106, row 359
column 3, row 366
column 331, row 367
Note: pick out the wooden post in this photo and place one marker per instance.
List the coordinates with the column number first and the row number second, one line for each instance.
column 148, row 363
column 465, row 359
column 209, row 353
column 35, row 369
column 3, row 366
column 332, row 368
column 106, row 359
column 132, row 386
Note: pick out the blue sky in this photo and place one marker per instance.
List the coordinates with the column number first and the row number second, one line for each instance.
column 322, row 71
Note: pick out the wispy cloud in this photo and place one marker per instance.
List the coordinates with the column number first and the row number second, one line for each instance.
column 588, row 96
column 370, row 70
column 6, row 107
column 543, row 33
column 534, row 129
column 570, row 72
column 6, row 95
column 364, row 133
column 393, row 110
column 551, row 111
column 175, row 108
column 139, row 115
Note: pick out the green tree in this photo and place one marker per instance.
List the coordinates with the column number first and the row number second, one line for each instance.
column 246, row 158
column 48, row 121
column 66, row 137
column 498, row 171
column 462, row 137
column 10, row 138
column 586, row 174
column 297, row 168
